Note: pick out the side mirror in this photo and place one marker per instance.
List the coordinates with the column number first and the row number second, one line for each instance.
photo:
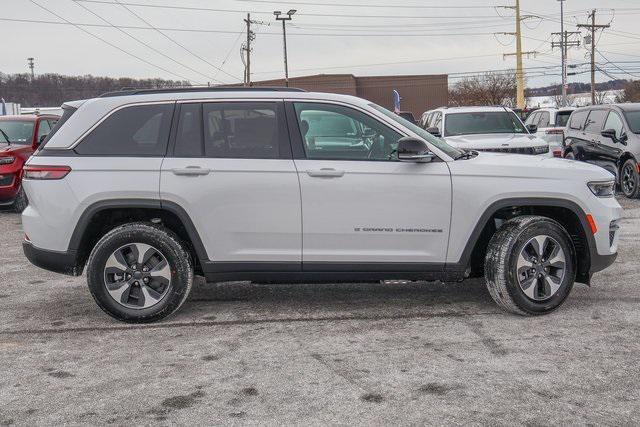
column 532, row 128
column 413, row 150
column 623, row 139
column 609, row 133
column 42, row 138
column 434, row 131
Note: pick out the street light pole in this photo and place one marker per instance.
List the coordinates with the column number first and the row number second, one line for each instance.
column 284, row 19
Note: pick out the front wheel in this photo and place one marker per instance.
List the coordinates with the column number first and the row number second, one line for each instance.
column 629, row 179
column 139, row 273
column 530, row 265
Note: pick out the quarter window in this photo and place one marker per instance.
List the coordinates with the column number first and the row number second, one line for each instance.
column 141, row 130
column 334, row 132
column 545, row 118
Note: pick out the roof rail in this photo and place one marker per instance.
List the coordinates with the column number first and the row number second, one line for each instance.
column 129, row 91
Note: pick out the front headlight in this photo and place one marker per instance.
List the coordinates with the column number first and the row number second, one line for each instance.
column 7, row 160
column 602, row 188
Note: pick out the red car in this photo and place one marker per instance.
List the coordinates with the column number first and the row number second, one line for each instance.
column 19, row 138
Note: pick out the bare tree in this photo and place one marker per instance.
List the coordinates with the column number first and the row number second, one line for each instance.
column 601, row 97
column 487, row 89
column 630, row 92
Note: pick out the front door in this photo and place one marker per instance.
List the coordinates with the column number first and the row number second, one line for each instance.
column 360, row 205
column 231, row 170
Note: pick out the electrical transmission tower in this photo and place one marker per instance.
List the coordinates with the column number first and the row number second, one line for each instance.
column 520, row 101
column 31, row 65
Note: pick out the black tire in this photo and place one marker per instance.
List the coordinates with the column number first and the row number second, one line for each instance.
column 21, row 201
column 629, row 179
column 501, row 266
column 570, row 156
column 168, row 246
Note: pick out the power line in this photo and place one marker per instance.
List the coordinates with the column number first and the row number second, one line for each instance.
column 142, row 42
column 399, row 6
column 113, row 45
column 176, row 42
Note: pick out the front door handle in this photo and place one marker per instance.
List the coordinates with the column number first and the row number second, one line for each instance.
column 191, row 171
column 325, row 173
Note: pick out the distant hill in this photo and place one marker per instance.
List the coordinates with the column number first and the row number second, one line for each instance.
column 50, row 90
column 576, row 88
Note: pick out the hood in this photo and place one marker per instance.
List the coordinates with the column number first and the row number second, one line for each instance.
column 495, row 140
column 529, row 167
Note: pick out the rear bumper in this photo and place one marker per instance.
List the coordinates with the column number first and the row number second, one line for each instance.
column 58, row 262
column 600, row 262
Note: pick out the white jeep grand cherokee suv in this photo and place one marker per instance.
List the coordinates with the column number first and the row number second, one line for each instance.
column 146, row 188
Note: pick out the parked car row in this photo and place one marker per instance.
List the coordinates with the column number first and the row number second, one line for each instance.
column 20, row 136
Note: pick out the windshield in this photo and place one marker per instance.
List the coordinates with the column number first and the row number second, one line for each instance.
column 439, row 143
column 562, row 117
column 482, row 122
column 18, row 132
column 633, row 119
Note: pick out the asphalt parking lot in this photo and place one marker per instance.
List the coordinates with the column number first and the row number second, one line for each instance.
column 240, row 353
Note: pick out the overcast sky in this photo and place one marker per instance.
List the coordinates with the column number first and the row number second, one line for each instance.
column 362, row 37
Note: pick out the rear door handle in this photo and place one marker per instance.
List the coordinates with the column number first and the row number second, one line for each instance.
column 325, row 173
column 191, row 171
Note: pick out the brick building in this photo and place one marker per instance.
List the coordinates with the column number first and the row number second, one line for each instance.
column 418, row 92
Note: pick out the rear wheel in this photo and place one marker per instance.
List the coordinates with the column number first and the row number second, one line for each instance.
column 570, row 156
column 21, row 201
column 629, row 179
column 139, row 273
column 529, row 267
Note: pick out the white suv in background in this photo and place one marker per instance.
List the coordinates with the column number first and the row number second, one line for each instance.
column 143, row 189
column 496, row 129
column 550, row 124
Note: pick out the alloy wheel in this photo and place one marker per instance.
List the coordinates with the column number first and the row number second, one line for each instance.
column 541, row 267
column 137, row 275
column 628, row 179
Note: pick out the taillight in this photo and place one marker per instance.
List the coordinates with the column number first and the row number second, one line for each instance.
column 554, row 131
column 557, row 153
column 45, row 172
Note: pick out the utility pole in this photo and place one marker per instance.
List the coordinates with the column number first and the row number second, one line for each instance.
column 284, row 19
column 593, row 27
column 247, row 48
column 31, row 65
column 520, row 101
column 564, row 45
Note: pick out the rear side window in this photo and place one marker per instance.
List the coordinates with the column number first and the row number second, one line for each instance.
column 562, row 117
column 595, row 121
column 141, row 130
column 577, row 119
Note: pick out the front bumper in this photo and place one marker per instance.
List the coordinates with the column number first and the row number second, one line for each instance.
column 58, row 262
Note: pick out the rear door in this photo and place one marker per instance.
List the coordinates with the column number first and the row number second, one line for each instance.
column 362, row 209
column 593, row 149
column 232, row 172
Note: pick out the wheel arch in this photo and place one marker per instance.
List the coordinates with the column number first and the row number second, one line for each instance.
column 102, row 216
column 567, row 213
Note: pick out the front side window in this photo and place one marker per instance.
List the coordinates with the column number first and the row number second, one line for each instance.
column 335, row 132
column 545, row 118
column 532, row 119
column 43, row 130
column 141, row 130
column 614, row 122
column 16, row 132
column 633, row 119
column 482, row 122
column 595, row 121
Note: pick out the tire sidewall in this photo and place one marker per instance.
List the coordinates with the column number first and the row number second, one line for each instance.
column 21, row 202
column 180, row 276
column 554, row 230
column 634, row 174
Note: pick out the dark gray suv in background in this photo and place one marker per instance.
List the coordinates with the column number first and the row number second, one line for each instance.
column 608, row 136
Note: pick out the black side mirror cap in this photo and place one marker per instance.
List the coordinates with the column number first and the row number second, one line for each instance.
column 413, row 150
column 532, row 128
column 609, row 133
column 433, row 131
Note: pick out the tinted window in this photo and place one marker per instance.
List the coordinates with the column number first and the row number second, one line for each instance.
column 614, row 122
column 337, row 132
column 132, row 131
column 633, row 119
column 545, row 118
column 577, row 119
column 43, row 130
column 482, row 122
column 595, row 121
column 189, row 133
column 562, row 117
column 16, row 132
column 243, row 130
